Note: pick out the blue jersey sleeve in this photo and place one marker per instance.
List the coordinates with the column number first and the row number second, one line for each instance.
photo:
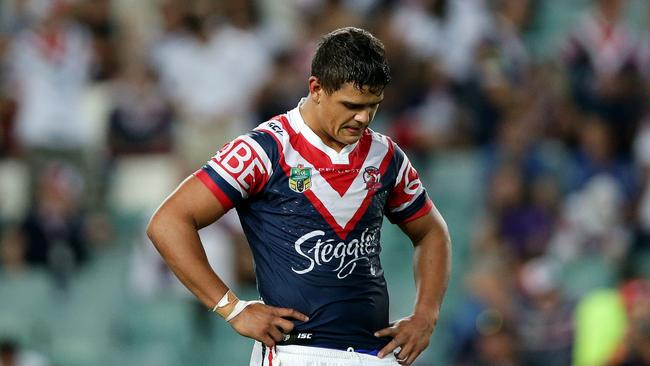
column 408, row 200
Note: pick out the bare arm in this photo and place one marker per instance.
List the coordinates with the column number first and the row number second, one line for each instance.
column 431, row 262
column 173, row 229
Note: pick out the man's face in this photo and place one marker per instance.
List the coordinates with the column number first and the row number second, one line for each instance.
column 345, row 114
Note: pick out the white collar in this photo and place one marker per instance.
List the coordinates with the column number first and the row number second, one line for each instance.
column 299, row 125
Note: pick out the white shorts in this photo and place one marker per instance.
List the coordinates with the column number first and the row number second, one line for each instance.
column 314, row 356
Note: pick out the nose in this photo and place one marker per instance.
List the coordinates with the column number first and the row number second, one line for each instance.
column 362, row 116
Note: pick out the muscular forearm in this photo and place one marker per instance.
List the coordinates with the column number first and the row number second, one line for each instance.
column 431, row 262
column 179, row 244
column 174, row 231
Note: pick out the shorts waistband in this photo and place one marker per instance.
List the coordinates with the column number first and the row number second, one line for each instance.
column 309, row 339
column 350, row 354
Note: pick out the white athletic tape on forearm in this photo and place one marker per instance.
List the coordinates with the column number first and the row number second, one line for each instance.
column 223, row 302
column 239, row 307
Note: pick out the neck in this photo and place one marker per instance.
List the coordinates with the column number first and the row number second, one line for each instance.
column 308, row 112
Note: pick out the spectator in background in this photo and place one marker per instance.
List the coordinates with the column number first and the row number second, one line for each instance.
column 592, row 224
column 49, row 72
column 501, row 67
column 139, row 125
column 447, row 31
column 544, row 315
column 96, row 16
column 432, row 42
column 604, row 76
column 421, row 26
column 433, row 122
column 408, row 82
column 518, row 141
column 523, row 213
column 596, row 155
column 481, row 328
column 506, row 36
column 213, row 73
column 496, row 345
column 140, row 121
column 54, row 227
column 284, row 86
column 468, row 22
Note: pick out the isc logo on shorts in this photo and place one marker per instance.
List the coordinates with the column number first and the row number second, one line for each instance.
column 298, row 338
column 304, row 335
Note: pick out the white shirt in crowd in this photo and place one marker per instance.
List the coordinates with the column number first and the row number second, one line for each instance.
column 215, row 78
column 49, row 79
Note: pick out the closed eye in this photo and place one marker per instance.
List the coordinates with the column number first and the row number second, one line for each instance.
column 355, row 106
column 352, row 106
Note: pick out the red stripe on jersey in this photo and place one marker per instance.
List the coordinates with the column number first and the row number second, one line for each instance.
column 406, row 189
column 339, row 182
column 304, row 147
column 342, row 182
column 216, row 191
column 368, row 199
column 342, row 232
column 320, row 207
column 419, row 213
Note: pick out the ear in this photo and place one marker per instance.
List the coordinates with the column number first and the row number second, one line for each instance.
column 315, row 89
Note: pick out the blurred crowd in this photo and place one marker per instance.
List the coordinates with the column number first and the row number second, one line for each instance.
column 107, row 104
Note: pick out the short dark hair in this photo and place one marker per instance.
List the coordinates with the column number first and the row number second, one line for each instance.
column 350, row 55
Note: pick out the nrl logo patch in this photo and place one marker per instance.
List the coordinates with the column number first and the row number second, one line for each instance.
column 300, row 179
column 372, row 176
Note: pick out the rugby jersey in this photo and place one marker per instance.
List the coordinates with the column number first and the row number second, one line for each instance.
column 312, row 217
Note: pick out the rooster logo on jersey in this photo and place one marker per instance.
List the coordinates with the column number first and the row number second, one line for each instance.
column 371, row 176
column 300, row 179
